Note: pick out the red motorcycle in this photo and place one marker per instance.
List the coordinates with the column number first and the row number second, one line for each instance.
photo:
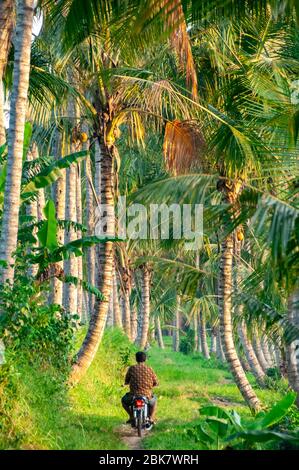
column 140, row 410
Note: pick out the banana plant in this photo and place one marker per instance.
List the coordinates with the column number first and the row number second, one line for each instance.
column 222, row 428
column 49, row 174
column 49, row 252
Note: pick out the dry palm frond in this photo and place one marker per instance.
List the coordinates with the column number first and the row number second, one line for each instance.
column 172, row 16
column 183, row 146
column 180, row 41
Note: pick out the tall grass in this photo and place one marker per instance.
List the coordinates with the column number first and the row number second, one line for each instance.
column 37, row 411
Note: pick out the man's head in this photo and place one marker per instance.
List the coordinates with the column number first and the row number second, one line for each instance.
column 140, row 356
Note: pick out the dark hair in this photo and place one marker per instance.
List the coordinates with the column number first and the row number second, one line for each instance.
column 140, row 356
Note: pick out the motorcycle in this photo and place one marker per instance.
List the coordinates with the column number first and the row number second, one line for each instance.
column 140, row 410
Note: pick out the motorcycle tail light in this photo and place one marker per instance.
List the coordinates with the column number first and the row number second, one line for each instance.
column 139, row 403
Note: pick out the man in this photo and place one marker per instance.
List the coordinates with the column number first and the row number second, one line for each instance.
column 141, row 380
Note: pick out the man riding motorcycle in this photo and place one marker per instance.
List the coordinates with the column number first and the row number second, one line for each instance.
column 141, row 379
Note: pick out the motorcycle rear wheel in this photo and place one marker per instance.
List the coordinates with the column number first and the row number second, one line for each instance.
column 139, row 426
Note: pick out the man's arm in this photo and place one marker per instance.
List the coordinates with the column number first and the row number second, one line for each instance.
column 128, row 376
column 155, row 380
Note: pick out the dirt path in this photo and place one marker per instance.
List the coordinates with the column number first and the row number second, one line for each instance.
column 129, row 436
column 221, row 401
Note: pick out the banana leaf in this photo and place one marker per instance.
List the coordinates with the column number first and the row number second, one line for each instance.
column 51, row 173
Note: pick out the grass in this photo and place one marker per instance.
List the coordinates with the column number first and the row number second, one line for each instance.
column 47, row 416
column 186, row 383
column 44, row 415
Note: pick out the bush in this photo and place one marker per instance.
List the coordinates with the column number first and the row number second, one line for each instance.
column 31, row 400
column 274, row 373
column 38, row 341
column 187, row 343
column 290, row 424
column 275, row 381
column 30, row 326
column 223, row 429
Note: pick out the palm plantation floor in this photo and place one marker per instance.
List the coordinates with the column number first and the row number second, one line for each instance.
column 93, row 418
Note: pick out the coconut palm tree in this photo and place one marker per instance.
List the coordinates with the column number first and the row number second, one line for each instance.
column 159, row 333
column 116, row 306
column 145, row 304
column 203, row 335
column 126, row 279
column 71, row 266
column 226, row 292
column 17, row 115
column 59, row 199
column 6, row 28
column 177, row 325
column 89, row 217
column 79, row 234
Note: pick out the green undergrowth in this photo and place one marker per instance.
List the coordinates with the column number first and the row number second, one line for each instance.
column 39, row 412
column 186, row 383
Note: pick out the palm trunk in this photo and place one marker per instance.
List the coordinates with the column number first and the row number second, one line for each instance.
column 259, row 352
column 219, row 349
column 277, row 354
column 104, row 284
column 85, row 316
column 213, row 341
column 176, row 324
column 293, row 347
column 199, row 345
column 203, row 336
column 110, row 316
column 139, row 327
column 195, row 327
column 6, row 27
column 248, row 350
column 90, row 252
column 152, row 331
column 272, row 352
column 59, row 194
column 126, row 281
column 18, row 106
column 145, row 294
column 139, row 318
column 159, row 333
column 98, row 169
column 71, row 265
column 252, row 360
column 98, row 189
column 266, row 351
column 2, row 117
column 226, row 290
column 79, row 235
column 31, row 211
column 134, row 324
column 126, row 313
column 41, row 202
column 116, row 307
column 244, row 363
